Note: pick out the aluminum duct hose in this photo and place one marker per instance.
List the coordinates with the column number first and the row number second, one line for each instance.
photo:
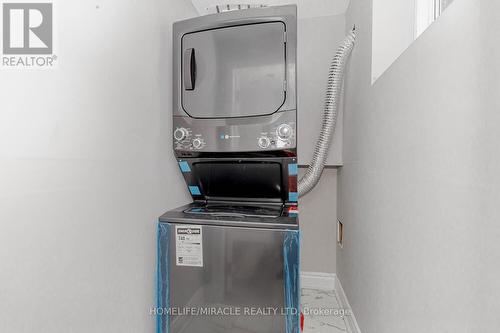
column 332, row 101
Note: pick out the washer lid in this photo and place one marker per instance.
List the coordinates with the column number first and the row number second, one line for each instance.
column 237, row 210
column 184, row 215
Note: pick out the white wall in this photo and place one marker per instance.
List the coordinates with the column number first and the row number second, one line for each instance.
column 420, row 184
column 395, row 25
column 393, row 31
column 318, row 223
column 318, row 39
column 86, row 169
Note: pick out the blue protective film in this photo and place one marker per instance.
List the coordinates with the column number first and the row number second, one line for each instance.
column 184, row 166
column 195, row 190
column 163, row 279
column 291, row 269
column 293, row 196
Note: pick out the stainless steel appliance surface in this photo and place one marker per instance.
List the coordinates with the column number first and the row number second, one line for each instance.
column 243, row 268
column 235, row 81
column 238, row 214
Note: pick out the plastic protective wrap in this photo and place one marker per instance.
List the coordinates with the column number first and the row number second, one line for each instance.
column 163, row 279
column 291, row 279
column 291, row 271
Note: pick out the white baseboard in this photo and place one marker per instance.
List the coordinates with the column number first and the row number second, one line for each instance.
column 344, row 303
column 326, row 281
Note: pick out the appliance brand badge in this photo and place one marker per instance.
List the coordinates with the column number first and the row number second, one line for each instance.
column 28, row 35
column 227, row 136
column 188, row 231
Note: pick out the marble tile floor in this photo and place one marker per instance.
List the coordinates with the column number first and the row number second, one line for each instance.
column 321, row 312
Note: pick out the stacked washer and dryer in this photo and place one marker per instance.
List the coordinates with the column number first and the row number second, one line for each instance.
column 229, row 261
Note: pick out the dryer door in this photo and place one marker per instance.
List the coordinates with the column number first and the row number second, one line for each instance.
column 237, row 71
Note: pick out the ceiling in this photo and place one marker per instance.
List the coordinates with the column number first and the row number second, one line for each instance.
column 306, row 8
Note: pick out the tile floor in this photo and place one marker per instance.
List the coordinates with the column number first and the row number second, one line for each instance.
column 330, row 321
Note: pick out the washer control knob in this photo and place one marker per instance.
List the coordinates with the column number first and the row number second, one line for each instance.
column 284, row 131
column 264, row 142
column 197, row 143
column 180, row 133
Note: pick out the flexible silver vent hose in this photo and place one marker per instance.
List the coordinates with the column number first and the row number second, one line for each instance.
column 332, row 101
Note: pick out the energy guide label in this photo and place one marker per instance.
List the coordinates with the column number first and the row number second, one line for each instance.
column 189, row 245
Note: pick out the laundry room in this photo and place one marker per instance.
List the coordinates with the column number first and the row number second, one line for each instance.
column 258, row 166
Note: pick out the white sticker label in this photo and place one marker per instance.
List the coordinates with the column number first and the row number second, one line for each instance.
column 189, row 245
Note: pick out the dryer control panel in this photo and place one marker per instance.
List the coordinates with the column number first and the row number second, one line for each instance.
column 246, row 135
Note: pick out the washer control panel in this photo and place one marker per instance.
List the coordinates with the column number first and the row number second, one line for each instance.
column 284, row 132
column 279, row 137
column 264, row 142
column 180, row 134
column 252, row 134
column 184, row 139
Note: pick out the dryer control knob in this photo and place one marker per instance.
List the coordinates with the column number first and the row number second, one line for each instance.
column 264, row 142
column 180, row 133
column 284, row 131
column 197, row 143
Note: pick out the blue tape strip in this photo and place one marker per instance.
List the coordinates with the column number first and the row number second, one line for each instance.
column 291, row 270
column 184, row 166
column 163, row 279
column 293, row 169
column 195, row 190
column 293, row 196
